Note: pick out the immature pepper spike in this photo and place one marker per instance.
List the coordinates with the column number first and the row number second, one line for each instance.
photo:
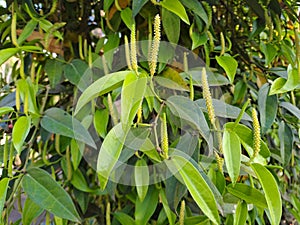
column 133, row 49
column 155, row 46
column 165, row 140
column 256, row 134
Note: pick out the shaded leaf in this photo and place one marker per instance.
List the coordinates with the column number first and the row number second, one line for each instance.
column 126, row 15
column 197, row 8
column 171, row 25
column 48, row 194
column 123, row 218
column 54, row 70
column 137, row 6
column 285, row 135
column 20, row 132
column 170, row 215
column 141, row 176
column 269, row 51
column 291, row 108
column 76, row 72
column 101, row 119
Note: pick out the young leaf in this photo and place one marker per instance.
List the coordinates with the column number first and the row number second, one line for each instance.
column 101, row 119
column 232, row 154
column 196, row 185
column 229, row 64
column 109, row 153
column 176, row 7
column 271, row 191
column 285, row 135
column 58, row 121
column 7, row 53
column 20, row 132
column 141, row 176
column 3, row 191
column 248, row 194
column 48, row 194
column 241, row 213
column 30, row 211
column 5, row 110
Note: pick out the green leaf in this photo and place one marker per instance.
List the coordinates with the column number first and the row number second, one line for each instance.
column 196, row 185
column 171, row 25
column 123, row 218
column 101, row 86
column 144, row 209
column 137, row 6
column 7, row 53
column 171, row 216
column 285, row 135
column 54, row 70
column 20, row 132
column 198, row 39
column 133, row 91
column 267, row 106
column 269, row 51
column 48, row 194
column 5, row 110
column 291, row 108
column 126, row 15
column 271, row 191
column 241, row 213
column 245, row 135
column 176, row 7
column 232, row 153
column 101, row 119
column 75, row 72
column 58, row 121
column 248, row 193
column 27, row 31
column 277, row 85
column 31, row 210
column 3, row 191
column 141, row 176
column 229, row 64
column 197, row 8
column 109, row 153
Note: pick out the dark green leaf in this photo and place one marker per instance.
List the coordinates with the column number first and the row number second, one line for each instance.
column 267, row 106
column 137, row 5
column 54, row 70
column 171, row 25
column 197, row 8
column 60, row 122
column 285, row 135
column 198, row 39
column 271, row 191
column 76, row 72
column 291, row 108
column 20, row 132
column 48, row 194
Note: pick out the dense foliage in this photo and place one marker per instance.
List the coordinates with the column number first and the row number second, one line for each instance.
column 149, row 112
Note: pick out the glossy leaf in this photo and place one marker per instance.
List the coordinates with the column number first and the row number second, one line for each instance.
column 245, row 135
column 20, row 132
column 123, row 218
column 267, row 106
column 144, row 209
column 285, row 135
column 176, row 7
column 3, row 191
column 241, row 213
column 197, row 8
column 198, row 39
column 197, row 186
column 31, row 210
column 137, row 6
column 232, row 154
column 271, row 191
column 171, row 25
column 229, row 64
column 126, row 15
column 248, row 194
column 58, row 121
column 48, row 194
column 141, row 176
column 7, row 53
column 100, row 87
column 54, row 70
column 109, row 153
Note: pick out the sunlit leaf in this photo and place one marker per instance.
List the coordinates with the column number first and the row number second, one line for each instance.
column 176, row 7
column 31, row 210
column 20, row 132
column 229, row 64
column 141, row 176
column 241, row 213
column 3, row 191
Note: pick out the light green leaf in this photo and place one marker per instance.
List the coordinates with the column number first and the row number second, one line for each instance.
column 248, row 193
column 109, row 153
column 197, row 8
column 123, row 218
column 48, row 194
column 54, row 70
column 241, row 213
column 232, row 154
column 126, row 15
column 20, row 132
column 3, row 191
column 171, row 25
column 277, row 85
column 229, row 64
column 267, row 106
column 144, row 209
column 5, row 110
column 245, row 135
column 101, row 86
column 101, row 119
column 27, row 31
column 7, row 53
column 285, row 135
column 58, row 121
column 198, row 39
column 133, row 91
column 30, row 211
column 137, row 5
column 141, row 177
column 176, row 7
column 171, row 216
column 196, row 185
column 271, row 191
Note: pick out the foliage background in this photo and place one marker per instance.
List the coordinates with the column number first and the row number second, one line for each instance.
column 47, row 46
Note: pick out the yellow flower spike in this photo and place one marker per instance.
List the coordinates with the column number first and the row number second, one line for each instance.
column 155, row 45
column 127, row 52
column 26, row 103
column 112, row 110
column 222, row 44
column 133, row 49
column 181, row 213
column 256, row 134
column 220, row 162
column 164, row 134
column 18, row 101
column 208, row 98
